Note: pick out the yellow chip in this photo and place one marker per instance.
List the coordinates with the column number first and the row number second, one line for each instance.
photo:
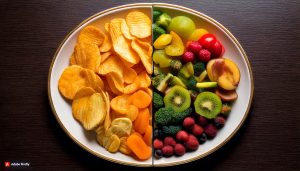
column 139, row 24
column 107, row 45
column 145, row 58
column 93, row 80
column 144, row 79
column 90, row 110
column 107, row 121
column 125, row 30
column 146, row 45
column 131, row 88
column 72, row 59
column 83, row 92
column 104, row 56
column 129, row 74
column 120, row 44
column 91, row 35
column 106, row 27
column 112, row 64
column 116, row 82
column 87, row 56
column 120, row 103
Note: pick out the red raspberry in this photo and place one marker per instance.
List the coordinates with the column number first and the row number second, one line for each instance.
column 188, row 123
column 188, row 56
column 211, row 131
column 179, row 149
column 182, row 136
column 202, row 121
column 197, row 130
column 204, row 55
column 192, row 143
column 157, row 144
column 167, row 150
column 194, row 46
column 169, row 141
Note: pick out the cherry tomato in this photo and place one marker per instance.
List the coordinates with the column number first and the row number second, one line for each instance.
column 207, row 41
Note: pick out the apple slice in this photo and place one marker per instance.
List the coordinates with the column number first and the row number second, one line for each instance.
column 227, row 96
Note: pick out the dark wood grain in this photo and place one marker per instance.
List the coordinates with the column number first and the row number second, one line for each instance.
column 30, row 32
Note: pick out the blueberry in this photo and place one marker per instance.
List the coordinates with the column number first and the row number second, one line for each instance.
column 158, row 133
column 158, row 154
column 202, row 138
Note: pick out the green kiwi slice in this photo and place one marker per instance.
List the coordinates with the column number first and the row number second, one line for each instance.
column 208, row 104
column 178, row 98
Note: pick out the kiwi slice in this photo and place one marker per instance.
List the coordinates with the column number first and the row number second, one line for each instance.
column 208, row 104
column 178, row 98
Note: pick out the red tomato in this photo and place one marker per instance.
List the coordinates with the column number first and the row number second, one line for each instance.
column 207, row 41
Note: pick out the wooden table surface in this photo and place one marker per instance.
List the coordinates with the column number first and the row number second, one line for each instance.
column 269, row 31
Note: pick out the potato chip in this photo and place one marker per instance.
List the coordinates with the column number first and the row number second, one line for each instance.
column 90, row 110
column 104, row 56
column 93, row 80
column 144, row 79
column 83, row 92
column 120, row 44
column 148, row 91
column 107, row 121
column 116, row 82
column 131, row 88
column 72, row 59
column 129, row 74
column 107, row 45
column 125, row 30
column 91, row 35
column 106, row 27
column 146, row 45
column 113, row 144
column 138, row 67
column 123, row 146
column 124, row 123
column 139, row 24
column 132, row 113
column 117, row 130
column 112, row 64
column 87, row 56
column 120, row 104
column 146, row 60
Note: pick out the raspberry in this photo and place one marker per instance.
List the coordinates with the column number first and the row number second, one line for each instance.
column 192, row 143
column 202, row 121
column 194, row 46
column 204, row 55
column 182, row 136
column 197, row 130
column 188, row 56
column 167, row 150
column 169, row 141
column 188, row 123
column 219, row 122
column 179, row 149
column 211, row 131
column 157, row 144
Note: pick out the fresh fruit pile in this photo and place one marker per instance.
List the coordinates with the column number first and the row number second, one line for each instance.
column 194, row 86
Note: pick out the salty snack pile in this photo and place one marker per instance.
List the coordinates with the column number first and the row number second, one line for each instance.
column 108, row 84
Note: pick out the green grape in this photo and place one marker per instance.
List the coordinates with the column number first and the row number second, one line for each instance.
column 183, row 26
column 160, row 58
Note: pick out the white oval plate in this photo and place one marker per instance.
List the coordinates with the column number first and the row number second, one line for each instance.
column 62, row 108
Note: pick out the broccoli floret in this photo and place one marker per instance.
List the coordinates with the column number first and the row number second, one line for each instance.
column 163, row 116
column 156, row 14
column 178, row 117
column 191, row 83
column 199, row 67
column 158, row 101
column 157, row 31
column 171, row 130
column 167, row 116
column 175, row 66
column 163, row 20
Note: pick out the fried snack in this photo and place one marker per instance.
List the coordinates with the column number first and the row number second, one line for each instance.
column 139, row 24
column 143, row 53
column 87, row 56
column 107, row 45
column 125, row 30
column 104, row 56
column 91, row 35
column 123, row 146
column 89, row 110
column 116, row 82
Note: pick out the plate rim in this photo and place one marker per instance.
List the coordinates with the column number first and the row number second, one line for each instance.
column 152, row 5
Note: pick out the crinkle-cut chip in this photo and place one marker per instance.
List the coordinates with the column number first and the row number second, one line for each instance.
column 115, row 29
column 87, row 56
column 115, row 82
column 112, row 64
column 106, row 45
column 83, row 92
column 144, row 79
column 113, row 144
column 123, row 49
column 120, row 103
column 139, row 24
column 71, row 80
column 117, row 130
column 105, row 56
column 125, row 30
column 124, row 123
column 139, row 67
column 90, row 111
column 72, row 59
column 146, row 60
column 129, row 74
column 93, row 80
column 107, row 121
column 91, row 35
column 146, row 45
column 123, row 146
column 131, row 88
column 106, row 27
